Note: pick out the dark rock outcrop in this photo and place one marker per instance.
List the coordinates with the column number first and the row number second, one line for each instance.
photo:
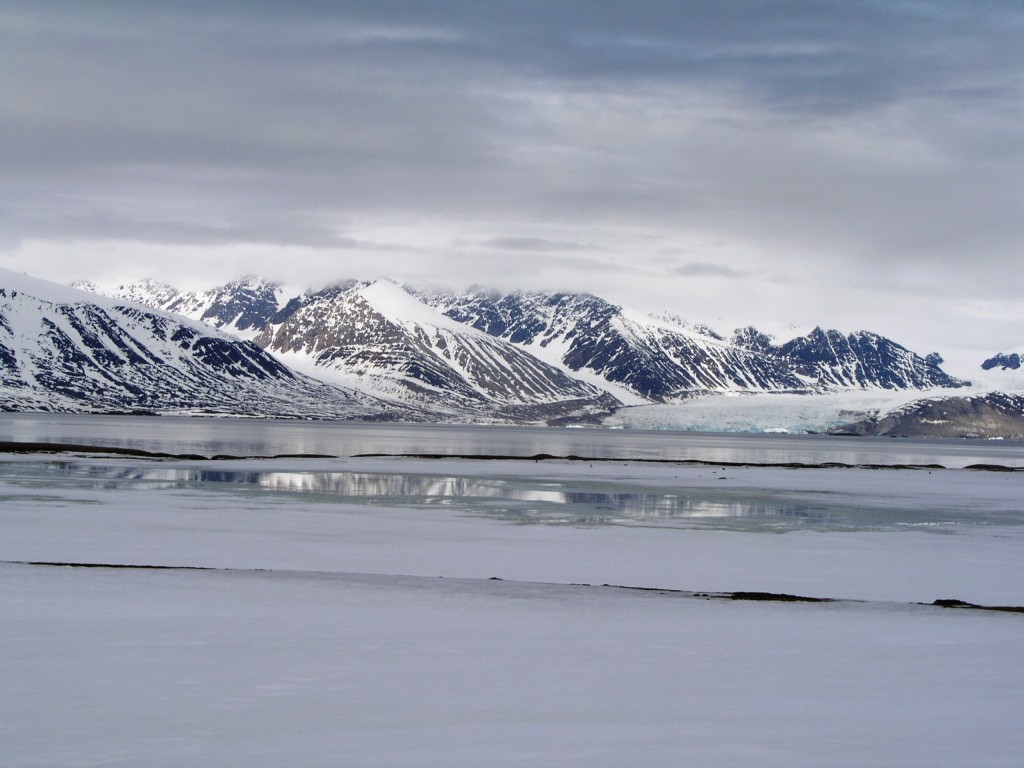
column 1005, row 362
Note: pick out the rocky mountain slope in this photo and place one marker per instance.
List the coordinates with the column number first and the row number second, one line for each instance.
column 68, row 350
column 244, row 306
column 379, row 337
column 665, row 360
column 481, row 350
column 640, row 358
column 858, row 360
column 988, row 415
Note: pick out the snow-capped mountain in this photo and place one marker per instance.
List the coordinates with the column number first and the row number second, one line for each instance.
column 67, row 350
column 649, row 360
column 244, row 306
column 152, row 293
column 862, row 360
column 532, row 355
column 381, row 338
column 1004, row 371
column 666, row 359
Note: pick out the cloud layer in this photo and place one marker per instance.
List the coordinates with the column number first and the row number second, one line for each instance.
column 859, row 164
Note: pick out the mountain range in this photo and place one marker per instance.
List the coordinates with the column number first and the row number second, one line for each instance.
column 68, row 350
column 380, row 349
column 480, row 346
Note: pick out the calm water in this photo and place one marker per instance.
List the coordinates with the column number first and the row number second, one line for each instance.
column 237, row 437
column 521, row 499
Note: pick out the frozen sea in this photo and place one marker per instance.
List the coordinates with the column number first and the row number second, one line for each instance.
column 395, row 611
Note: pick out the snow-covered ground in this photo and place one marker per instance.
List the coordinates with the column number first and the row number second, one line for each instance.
column 332, row 631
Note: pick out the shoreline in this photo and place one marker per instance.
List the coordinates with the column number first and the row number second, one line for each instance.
column 15, row 447
column 512, row 584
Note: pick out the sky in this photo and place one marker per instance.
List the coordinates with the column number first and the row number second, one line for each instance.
column 844, row 164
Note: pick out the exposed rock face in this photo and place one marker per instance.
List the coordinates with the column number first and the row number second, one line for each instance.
column 993, row 415
column 1006, row 362
column 753, row 339
column 863, row 359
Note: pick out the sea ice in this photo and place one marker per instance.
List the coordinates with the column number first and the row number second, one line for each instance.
column 332, row 631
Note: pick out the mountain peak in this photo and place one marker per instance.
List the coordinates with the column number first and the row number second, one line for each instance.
column 390, row 339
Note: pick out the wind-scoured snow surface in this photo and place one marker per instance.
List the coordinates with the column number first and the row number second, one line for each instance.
column 334, row 632
column 67, row 350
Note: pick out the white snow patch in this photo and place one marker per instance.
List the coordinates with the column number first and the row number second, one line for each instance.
column 398, row 305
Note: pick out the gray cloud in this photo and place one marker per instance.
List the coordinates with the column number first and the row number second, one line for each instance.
column 822, row 143
column 531, row 244
column 703, row 269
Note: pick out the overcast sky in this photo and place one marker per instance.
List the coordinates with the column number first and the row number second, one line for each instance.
column 851, row 164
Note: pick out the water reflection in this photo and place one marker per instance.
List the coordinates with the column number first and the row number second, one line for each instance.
column 521, row 500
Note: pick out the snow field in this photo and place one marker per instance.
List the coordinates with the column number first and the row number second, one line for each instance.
column 376, row 637
column 162, row 668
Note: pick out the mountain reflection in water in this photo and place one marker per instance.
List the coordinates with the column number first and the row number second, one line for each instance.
column 520, row 500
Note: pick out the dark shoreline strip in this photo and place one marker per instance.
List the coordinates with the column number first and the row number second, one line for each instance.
column 16, row 447
column 13, row 447
column 776, row 597
column 693, row 462
column 954, row 603
column 119, row 566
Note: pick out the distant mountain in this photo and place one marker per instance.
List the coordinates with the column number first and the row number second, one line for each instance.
column 244, row 306
column 1004, row 361
column 989, row 415
column 152, row 293
column 645, row 359
column 68, row 350
column 1003, row 372
column 381, row 338
column 531, row 355
column 861, row 360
